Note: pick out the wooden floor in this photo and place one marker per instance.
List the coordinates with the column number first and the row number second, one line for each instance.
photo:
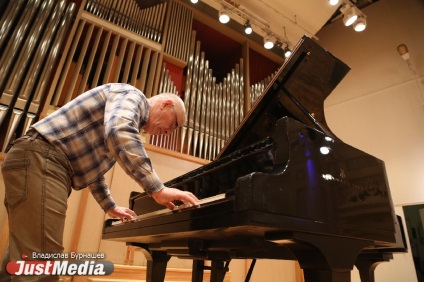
column 126, row 273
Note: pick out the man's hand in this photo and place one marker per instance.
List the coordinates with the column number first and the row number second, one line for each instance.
column 123, row 213
column 167, row 195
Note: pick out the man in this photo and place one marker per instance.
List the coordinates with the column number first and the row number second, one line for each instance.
column 73, row 148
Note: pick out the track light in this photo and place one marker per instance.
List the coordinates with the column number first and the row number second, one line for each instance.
column 287, row 51
column 247, row 27
column 350, row 17
column 333, row 2
column 268, row 44
column 360, row 24
column 350, row 14
column 224, row 17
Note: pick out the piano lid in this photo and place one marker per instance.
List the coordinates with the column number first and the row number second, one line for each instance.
column 298, row 90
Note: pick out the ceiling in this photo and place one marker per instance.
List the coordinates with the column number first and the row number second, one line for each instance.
column 287, row 19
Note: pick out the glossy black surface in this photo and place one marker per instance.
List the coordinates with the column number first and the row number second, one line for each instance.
column 310, row 74
column 284, row 197
column 342, row 193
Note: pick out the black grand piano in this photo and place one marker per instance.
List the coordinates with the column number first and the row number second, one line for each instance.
column 284, row 187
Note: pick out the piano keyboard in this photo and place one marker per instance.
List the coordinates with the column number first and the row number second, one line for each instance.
column 168, row 211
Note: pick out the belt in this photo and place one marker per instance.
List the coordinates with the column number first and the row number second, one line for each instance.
column 36, row 135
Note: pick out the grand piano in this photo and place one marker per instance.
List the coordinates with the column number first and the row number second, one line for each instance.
column 283, row 187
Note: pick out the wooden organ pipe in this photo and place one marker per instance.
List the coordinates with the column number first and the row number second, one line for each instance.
column 119, row 59
column 148, row 91
column 82, row 86
column 67, row 65
column 128, row 61
column 137, row 62
column 111, row 60
column 75, row 80
column 144, row 67
column 101, row 59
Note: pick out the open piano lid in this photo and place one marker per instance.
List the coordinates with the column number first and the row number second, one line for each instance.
column 298, row 90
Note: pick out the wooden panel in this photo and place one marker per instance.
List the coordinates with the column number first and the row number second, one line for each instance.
column 4, row 227
column 127, row 273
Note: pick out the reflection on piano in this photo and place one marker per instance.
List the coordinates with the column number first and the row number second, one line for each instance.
column 284, row 187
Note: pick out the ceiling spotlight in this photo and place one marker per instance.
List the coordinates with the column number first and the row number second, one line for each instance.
column 268, row 44
column 194, row 1
column 333, row 2
column 224, row 17
column 247, row 27
column 360, row 24
column 287, row 51
column 350, row 14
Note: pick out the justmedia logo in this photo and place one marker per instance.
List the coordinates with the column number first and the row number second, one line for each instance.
column 59, row 267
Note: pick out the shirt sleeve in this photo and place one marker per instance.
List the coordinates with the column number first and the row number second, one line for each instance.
column 126, row 112
column 101, row 192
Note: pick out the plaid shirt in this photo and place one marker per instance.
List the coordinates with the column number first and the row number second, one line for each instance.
column 98, row 128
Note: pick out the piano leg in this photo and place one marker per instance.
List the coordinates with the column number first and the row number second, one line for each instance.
column 367, row 262
column 322, row 258
column 198, row 267
column 218, row 270
column 156, row 265
column 326, row 275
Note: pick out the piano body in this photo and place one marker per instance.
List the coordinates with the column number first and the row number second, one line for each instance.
column 284, row 187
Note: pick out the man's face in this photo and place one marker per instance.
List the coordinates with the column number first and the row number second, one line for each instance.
column 162, row 119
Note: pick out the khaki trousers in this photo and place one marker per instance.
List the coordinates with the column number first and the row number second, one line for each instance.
column 37, row 179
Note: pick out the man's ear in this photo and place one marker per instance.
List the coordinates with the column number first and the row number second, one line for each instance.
column 166, row 103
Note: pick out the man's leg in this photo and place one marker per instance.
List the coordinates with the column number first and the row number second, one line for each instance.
column 37, row 181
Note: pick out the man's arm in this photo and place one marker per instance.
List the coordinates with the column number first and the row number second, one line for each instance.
column 101, row 193
column 125, row 110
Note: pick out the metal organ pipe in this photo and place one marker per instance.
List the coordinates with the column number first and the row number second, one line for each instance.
column 98, row 54
column 28, row 59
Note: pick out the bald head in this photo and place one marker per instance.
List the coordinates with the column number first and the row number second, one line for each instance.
column 167, row 113
column 178, row 104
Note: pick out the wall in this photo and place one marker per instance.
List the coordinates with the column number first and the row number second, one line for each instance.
column 379, row 106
